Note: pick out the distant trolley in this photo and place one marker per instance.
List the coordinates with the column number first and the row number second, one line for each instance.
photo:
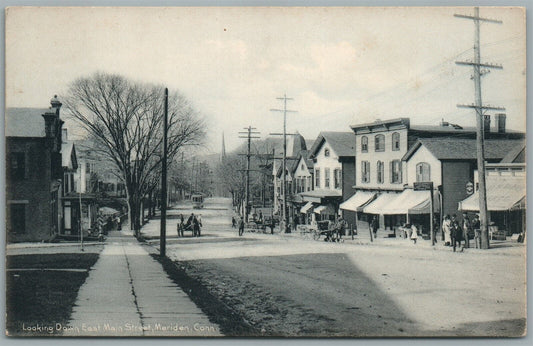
column 197, row 201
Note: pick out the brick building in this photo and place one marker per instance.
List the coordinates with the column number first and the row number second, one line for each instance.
column 34, row 172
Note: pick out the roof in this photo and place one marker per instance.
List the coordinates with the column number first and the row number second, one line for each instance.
column 25, row 122
column 516, row 155
column 440, row 128
column 342, row 143
column 66, row 153
column 464, row 149
column 503, row 193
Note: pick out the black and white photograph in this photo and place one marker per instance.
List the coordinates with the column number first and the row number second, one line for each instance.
column 300, row 172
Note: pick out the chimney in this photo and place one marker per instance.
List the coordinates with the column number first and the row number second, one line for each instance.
column 55, row 104
column 500, row 122
column 486, row 123
column 49, row 123
column 444, row 123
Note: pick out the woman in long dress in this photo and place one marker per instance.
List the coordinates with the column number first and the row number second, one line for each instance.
column 446, row 229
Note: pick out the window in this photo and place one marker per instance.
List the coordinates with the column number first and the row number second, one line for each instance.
column 396, row 172
column 17, row 162
column 422, row 172
column 326, row 152
column 302, row 167
column 364, row 144
column 309, row 183
column 365, row 171
column 18, row 218
column 87, row 168
column 326, row 177
column 381, row 172
column 317, row 178
column 380, row 142
column 337, row 178
column 395, row 141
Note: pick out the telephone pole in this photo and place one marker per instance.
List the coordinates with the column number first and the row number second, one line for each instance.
column 249, row 135
column 479, row 70
column 163, row 230
column 284, row 164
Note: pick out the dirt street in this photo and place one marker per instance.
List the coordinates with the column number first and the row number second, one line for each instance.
column 294, row 286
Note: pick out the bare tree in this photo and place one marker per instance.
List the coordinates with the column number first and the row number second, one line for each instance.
column 126, row 117
column 231, row 174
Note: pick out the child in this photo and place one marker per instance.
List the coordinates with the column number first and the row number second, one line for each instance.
column 414, row 234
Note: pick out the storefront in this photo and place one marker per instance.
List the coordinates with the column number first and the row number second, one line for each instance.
column 356, row 204
column 506, row 203
column 409, row 206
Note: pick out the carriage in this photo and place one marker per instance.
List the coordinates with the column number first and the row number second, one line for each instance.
column 196, row 229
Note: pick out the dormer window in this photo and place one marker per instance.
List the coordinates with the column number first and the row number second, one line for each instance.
column 326, row 152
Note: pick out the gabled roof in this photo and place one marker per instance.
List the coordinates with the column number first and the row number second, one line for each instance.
column 517, row 155
column 342, row 143
column 464, row 149
column 68, row 155
column 304, row 154
column 25, row 122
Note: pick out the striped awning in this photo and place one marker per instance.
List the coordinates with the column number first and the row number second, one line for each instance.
column 307, row 208
column 503, row 193
column 325, row 209
column 359, row 199
column 407, row 202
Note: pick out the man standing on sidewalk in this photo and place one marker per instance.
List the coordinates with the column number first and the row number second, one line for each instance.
column 374, row 225
column 241, row 226
column 467, row 226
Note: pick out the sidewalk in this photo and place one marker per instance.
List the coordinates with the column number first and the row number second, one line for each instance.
column 127, row 293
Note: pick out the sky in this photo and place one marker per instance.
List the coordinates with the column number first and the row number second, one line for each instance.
column 341, row 66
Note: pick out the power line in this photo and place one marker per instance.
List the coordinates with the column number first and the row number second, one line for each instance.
column 479, row 70
column 284, row 226
column 249, row 135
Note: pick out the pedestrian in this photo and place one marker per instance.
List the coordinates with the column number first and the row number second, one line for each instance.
column 241, row 226
column 414, row 233
column 467, row 228
column 233, row 222
column 260, row 216
column 119, row 223
column 374, row 225
column 447, row 229
column 456, row 233
column 476, row 226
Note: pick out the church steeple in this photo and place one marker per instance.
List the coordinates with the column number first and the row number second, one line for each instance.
column 223, row 153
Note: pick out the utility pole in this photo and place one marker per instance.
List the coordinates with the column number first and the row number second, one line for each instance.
column 163, row 230
column 249, row 135
column 284, row 227
column 480, row 108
